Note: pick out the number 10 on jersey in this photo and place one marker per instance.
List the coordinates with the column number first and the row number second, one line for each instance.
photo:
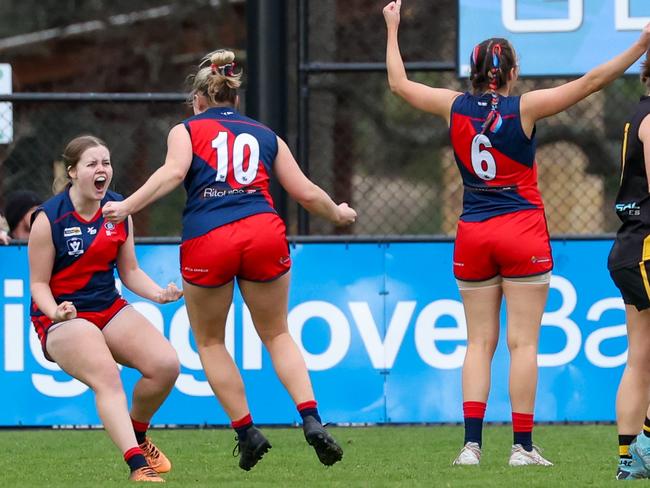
column 242, row 141
column 483, row 162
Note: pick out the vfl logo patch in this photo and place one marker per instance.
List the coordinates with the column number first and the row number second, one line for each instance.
column 75, row 246
column 110, row 227
column 71, row 231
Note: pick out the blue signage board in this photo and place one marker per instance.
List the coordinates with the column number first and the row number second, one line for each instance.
column 382, row 330
column 553, row 38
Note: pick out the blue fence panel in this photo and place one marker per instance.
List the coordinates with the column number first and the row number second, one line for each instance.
column 382, row 329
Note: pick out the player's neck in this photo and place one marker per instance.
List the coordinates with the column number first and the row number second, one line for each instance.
column 84, row 207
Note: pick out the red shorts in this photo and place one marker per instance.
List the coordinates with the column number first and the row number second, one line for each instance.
column 43, row 324
column 254, row 248
column 513, row 245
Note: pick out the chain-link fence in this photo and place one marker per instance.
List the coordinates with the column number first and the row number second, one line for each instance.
column 134, row 127
column 362, row 144
column 395, row 165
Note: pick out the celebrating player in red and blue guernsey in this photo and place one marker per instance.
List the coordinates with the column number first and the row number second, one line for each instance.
column 231, row 230
column 83, row 323
column 502, row 246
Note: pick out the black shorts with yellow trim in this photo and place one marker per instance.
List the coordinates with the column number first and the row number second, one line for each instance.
column 633, row 284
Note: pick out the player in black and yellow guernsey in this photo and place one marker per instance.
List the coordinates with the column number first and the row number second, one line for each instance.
column 629, row 266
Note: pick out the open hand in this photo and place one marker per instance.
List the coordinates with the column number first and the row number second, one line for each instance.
column 169, row 294
column 391, row 13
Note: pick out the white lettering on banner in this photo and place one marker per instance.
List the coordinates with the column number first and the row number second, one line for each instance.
column 513, row 24
column 14, row 337
column 560, row 319
column 382, row 348
column 339, row 333
column 252, row 345
column 593, row 342
column 14, row 323
column 382, row 354
column 152, row 313
column 623, row 20
column 47, row 384
column 427, row 334
column 179, row 336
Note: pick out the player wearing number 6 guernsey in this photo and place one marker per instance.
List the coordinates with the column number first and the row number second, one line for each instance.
column 502, row 247
column 231, row 230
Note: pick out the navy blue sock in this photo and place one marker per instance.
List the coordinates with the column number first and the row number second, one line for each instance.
column 525, row 439
column 473, row 430
column 309, row 408
column 242, row 425
column 135, row 459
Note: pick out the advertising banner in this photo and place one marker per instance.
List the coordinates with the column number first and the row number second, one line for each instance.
column 382, row 329
column 553, row 38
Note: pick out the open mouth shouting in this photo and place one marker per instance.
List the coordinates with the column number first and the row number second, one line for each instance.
column 100, row 182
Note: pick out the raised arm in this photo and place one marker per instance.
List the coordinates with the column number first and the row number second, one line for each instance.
column 437, row 101
column 312, row 197
column 538, row 104
column 159, row 184
column 40, row 251
column 136, row 280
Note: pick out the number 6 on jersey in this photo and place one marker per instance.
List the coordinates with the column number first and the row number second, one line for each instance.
column 483, row 162
column 242, row 141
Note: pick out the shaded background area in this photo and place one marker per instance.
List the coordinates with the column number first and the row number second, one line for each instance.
column 359, row 142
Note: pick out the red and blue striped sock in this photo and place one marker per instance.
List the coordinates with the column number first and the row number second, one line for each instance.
column 242, row 425
column 309, row 408
column 134, row 457
column 140, row 429
column 473, row 414
column 522, row 429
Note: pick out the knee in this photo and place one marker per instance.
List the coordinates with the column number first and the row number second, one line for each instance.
column 526, row 347
column 482, row 346
column 639, row 364
column 269, row 337
column 107, row 381
column 166, row 368
column 209, row 340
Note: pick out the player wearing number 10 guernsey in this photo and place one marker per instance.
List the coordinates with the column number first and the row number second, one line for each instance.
column 502, row 247
column 231, row 231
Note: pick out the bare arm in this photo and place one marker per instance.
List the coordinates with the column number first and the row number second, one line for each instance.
column 437, row 101
column 136, row 280
column 538, row 104
column 644, row 136
column 163, row 181
column 312, row 197
column 40, row 251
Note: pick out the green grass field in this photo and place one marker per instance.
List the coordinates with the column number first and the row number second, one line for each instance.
column 374, row 457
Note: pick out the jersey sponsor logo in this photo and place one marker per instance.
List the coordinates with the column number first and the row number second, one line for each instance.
column 110, row 228
column 75, row 246
column 630, row 208
column 71, row 231
column 285, row 259
column 91, row 230
column 211, row 192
